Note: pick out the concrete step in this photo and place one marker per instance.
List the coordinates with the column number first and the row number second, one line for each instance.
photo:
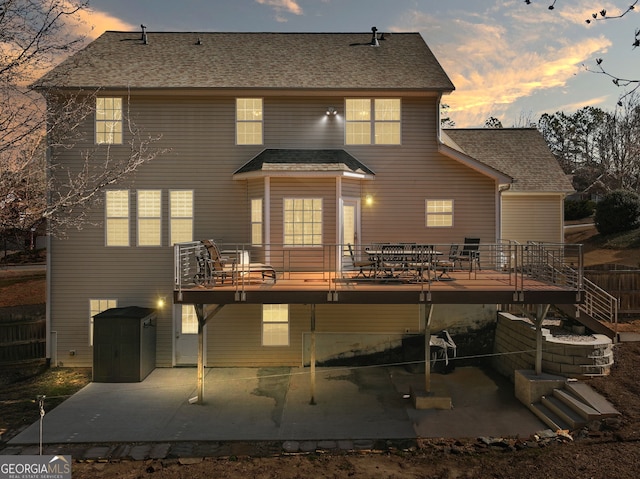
column 548, row 417
column 584, row 410
column 587, row 395
column 564, row 412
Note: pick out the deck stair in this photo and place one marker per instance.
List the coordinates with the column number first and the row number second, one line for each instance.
column 572, row 407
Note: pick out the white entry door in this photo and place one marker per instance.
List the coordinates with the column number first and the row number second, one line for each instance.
column 350, row 227
column 186, row 326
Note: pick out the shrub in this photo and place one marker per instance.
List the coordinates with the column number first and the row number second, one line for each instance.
column 618, row 211
column 578, row 209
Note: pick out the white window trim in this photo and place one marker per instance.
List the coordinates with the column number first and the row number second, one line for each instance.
column 172, row 218
column 287, row 322
column 284, row 235
column 443, row 213
column 261, row 121
column 373, row 122
column 100, row 309
column 253, row 223
column 107, row 218
column 107, row 121
column 157, row 218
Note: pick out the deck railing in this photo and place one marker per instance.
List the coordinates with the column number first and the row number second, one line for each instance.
column 331, row 265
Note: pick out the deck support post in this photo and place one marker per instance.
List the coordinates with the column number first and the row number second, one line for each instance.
column 428, row 313
column 312, row 360
column 202, row 322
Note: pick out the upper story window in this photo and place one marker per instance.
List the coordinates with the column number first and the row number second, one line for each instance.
column 149, row 218
column 372, row 121
column 256, row 222
column 303, row 221
column 439, row 213
column 249, row 121
column 181, row 216
column 117, row 217
column 109, row 120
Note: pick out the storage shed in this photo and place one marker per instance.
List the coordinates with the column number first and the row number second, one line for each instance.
column 124, row 344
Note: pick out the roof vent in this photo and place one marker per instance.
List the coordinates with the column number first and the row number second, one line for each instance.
column 374, row 38
column 144, row 35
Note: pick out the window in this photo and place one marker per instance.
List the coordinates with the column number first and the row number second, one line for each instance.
column 249, row 121
column 117, row 221
column 181, row 216
column 439, row 213
column 256, row 222
column 109, row 120
column 379, row 124
column 98, row 306
column 275, row 325
column 303, row 221
column 149, row 218
column 189, row 320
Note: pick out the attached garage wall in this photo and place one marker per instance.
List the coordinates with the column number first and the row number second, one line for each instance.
column 532, row 218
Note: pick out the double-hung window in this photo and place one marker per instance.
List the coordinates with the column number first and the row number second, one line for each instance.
column 249, row 121
column 117, row 218
column 303, row 222
column 109, row 120
column 149, row 218
column 372, row 121
column 439, row 213
column 256, row 222
column 98, row 306
column 181, row 216
column 275, row 325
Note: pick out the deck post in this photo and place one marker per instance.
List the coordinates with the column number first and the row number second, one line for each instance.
column 428, row 312
column 312, row 359
column 541, row 313
column 202, row 322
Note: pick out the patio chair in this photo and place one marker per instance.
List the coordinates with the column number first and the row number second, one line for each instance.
column 239, row 266
column 445, row 266
column 215, row 266
column 421, row 260
column 361, row 265
column 471, row 253
column 393, row 259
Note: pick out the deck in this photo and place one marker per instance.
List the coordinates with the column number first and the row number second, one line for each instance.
column 507, row 274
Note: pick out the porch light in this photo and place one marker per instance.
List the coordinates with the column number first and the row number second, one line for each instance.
column 331, row 111
column 161, row 302
column 368, row 200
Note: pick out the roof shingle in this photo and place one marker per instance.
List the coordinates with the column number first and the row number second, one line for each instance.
column 252, row 60
column 520, row 153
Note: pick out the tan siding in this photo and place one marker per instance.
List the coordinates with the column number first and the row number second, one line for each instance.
column 200, row 133
column 395, row 318
column 532, row 218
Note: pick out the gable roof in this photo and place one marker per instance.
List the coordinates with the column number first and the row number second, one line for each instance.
column 274, row 161
column 520, row 153
column 402, row 61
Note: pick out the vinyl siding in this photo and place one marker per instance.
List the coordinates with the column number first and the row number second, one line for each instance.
column 199, row 133
column 532, row 218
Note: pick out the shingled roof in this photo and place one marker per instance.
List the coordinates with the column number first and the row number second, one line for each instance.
column 402, row 61
column 274, row 160
column 520, row 153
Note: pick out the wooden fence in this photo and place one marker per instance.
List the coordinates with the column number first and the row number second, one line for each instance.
column 623, row 282
column 22, row 340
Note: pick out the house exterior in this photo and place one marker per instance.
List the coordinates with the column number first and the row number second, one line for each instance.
column 289, row 146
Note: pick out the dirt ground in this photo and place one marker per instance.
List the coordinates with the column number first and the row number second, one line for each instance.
column 607, row 449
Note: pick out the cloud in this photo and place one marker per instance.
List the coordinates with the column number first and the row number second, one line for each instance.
column 496, row 61
column 287, row 6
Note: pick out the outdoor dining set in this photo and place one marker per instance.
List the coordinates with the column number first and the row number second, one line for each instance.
column 412, row 262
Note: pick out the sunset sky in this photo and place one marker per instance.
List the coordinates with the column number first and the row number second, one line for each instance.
column 507, row 59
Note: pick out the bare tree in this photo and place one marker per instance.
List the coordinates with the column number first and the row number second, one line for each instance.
column 36, row 125
column 601, row 14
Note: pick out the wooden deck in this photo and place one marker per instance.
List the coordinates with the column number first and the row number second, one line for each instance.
column 478, row 287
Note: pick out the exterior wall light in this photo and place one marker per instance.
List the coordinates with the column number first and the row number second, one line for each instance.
column 161, row 302
column 368, row 200
column 331, row 111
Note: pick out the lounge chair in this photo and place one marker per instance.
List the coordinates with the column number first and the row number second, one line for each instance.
column 471, row 253
column 237, row 267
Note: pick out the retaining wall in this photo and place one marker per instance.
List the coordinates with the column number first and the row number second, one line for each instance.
column 570, row 356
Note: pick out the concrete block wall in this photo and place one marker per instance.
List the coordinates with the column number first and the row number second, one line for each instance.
column 581, row 356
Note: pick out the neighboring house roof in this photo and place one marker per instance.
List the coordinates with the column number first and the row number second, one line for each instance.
column 327, row 61
column 285, row 161
column 520, row 153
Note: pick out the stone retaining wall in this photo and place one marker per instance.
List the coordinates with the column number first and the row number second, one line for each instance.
column 570, row 356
